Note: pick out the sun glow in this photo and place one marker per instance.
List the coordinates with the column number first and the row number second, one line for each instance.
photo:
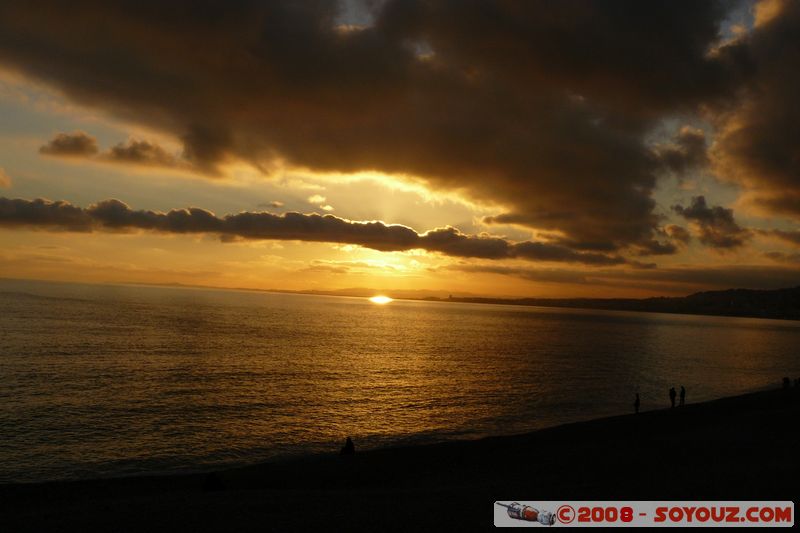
column 381, row 300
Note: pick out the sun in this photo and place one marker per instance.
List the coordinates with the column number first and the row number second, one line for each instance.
column 381, row 300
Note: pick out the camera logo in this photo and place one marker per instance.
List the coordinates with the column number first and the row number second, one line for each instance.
column 529, row 514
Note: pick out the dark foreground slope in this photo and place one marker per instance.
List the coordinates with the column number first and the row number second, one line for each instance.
column 736, row 448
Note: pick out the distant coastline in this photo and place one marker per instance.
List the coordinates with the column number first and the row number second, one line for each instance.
column 778, row 304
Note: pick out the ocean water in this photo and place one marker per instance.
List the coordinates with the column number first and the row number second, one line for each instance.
column 119, row 380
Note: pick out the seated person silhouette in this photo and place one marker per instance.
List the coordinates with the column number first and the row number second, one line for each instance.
column 348, row 448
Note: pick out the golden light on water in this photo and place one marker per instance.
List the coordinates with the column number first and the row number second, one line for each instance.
column 381, row 300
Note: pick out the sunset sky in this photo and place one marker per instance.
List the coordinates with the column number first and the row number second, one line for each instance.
column 571, row 148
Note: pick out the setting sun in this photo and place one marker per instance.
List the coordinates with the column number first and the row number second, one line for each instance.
column 381, row 300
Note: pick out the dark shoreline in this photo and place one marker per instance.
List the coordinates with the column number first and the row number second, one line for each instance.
column 737, row 448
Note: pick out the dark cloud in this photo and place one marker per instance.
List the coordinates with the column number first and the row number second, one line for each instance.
column 139, row 152
column 132, row 152
column 687, row 152
column 758, row 141
column 678, row 233
column 76, row 144
column 542, row 109
column 41, row 213
column 623, row 53
column 782, row 257
column 673, row 238
column 452, row 242
column 655, row 247
column 114, row 215
column 792, row 237
column 717, row 227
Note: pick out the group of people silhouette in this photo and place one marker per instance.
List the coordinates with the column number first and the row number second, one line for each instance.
column 349, row 448
column 788, row 382
column 672, row 395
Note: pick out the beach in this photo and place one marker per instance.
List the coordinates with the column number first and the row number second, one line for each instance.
column 737, row 448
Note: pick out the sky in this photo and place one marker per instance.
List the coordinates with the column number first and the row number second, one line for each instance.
column 582, row 148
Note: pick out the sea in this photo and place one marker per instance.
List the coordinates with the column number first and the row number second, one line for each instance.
column 120, row 380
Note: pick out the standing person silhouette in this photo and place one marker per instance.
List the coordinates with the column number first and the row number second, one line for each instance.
column 348, row 448
column 683, row 396
column 672, row 395
column 636, row 404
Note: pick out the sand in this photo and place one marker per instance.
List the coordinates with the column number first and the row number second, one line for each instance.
column 739, row 448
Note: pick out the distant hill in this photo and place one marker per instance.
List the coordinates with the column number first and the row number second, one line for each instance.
column 778, row 303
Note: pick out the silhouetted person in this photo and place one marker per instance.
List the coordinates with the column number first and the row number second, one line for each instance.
column 786, row 383
column 683, row 396
column 636, row 404
column 672, row 395
column 797, row 382
column 348, row 448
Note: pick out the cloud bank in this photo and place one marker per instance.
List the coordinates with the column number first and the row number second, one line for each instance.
column 544, row 110
column 541, row 109
column 114, row 215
